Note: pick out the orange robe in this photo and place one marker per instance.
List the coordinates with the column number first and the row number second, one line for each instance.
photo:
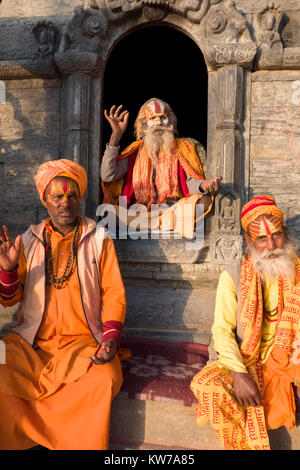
column 54, row 395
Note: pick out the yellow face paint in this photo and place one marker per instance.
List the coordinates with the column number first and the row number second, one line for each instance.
column 264, row 226
column 63, row 188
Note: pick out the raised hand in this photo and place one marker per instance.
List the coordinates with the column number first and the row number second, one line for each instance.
column 9, row 251
column 118, row 122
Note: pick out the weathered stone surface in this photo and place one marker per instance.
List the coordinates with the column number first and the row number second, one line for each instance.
column 136, row 421
column 169, row 312
column 29, row 135
column 36, row 8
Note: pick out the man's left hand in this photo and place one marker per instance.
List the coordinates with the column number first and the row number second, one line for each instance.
column 106, row 353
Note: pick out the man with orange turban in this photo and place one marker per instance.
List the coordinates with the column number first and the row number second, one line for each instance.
column 62, row 366
column 157, row 168
column 247, row 388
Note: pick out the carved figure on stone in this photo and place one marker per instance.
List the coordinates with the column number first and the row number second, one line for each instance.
column 227, row 249
column 226, row 37
column 224, row 24
column 268, row 21
column 227, row 214
column 193, row 10
column 46, row 35
column 158, row 168
column 84, row 32
column 254, row 358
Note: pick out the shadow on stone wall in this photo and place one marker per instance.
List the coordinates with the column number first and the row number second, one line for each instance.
column 20, row 157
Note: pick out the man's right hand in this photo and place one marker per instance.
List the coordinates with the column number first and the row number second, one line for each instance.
column 118, row 122
column 245, row 389
column 9, row 251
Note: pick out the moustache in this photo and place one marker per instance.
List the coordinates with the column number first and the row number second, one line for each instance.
column 164, row 129
column 268, row 254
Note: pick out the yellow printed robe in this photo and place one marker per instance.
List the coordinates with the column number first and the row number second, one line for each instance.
column 238, row 427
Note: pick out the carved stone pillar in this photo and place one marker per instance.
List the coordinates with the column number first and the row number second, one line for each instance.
column 226, row 242
column 77, row 88
column 75, row 113
column 78, row 59
column 228, row 156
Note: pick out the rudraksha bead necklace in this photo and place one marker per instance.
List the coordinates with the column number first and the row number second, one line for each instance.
column 51, row 278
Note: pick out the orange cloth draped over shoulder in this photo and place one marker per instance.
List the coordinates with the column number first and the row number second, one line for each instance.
column 236, row 426
column 187, row 157
column 54, row 395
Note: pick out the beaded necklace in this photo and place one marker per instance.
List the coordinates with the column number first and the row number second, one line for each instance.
column 51, row 278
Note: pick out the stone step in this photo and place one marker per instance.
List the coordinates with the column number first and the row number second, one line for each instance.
column 158, row 425
column 146, row 424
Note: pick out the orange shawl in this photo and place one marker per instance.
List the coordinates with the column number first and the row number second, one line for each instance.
column 167, row 178
column 252, row 310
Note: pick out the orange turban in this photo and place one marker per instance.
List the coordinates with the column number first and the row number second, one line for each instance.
column 63, row 167
column 261, row 205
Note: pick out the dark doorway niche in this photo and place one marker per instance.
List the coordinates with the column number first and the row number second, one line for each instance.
column 161, row 62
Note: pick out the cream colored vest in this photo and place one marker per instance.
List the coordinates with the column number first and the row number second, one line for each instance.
column 88, row 262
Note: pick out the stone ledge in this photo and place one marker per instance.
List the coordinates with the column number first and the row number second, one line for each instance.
column 159, row 423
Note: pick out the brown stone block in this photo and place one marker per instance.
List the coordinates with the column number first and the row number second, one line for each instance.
column 285, row 146
column 18, row 9
column 275, row 93
column 29, row 150
column 13, row 174
column 35, row 83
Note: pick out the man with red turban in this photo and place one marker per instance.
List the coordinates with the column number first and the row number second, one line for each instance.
column 62, row 366
column 157, row 168
column 248, row 388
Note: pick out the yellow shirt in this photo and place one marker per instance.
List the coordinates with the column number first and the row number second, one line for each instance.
column 225, row 322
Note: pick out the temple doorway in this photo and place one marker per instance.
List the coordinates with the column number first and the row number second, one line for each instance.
column 162, row 62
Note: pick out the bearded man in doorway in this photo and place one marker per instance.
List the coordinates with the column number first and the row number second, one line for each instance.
column 157, row 168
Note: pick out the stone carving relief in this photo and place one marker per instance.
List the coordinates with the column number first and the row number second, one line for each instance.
column 226, row 243
column 80, row 44
column 194, row 10
column 47, row 37
column 226, row 37
column 268, row 21
column 228, row 212
column 226, row 249
column 270, row 47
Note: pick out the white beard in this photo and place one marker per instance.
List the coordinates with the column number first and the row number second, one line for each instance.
column 155, row 142
column 283, row 265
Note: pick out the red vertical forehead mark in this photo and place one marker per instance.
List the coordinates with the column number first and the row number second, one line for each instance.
column 65, row 186
column 266, row 226
column 157, row 107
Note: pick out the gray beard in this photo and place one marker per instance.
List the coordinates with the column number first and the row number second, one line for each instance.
column 156, row 142
column 283, row 265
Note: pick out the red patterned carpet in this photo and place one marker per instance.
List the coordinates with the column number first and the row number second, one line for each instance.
column 161, row 371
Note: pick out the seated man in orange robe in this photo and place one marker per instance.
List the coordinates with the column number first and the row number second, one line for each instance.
column 62, row 367
column 248, row 389
column 157, row 168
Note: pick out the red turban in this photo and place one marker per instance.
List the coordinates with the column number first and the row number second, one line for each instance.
column 261, row 205
column 63, row 167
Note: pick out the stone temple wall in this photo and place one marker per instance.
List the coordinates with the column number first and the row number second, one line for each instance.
column 275, row 141
column 171, row 299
